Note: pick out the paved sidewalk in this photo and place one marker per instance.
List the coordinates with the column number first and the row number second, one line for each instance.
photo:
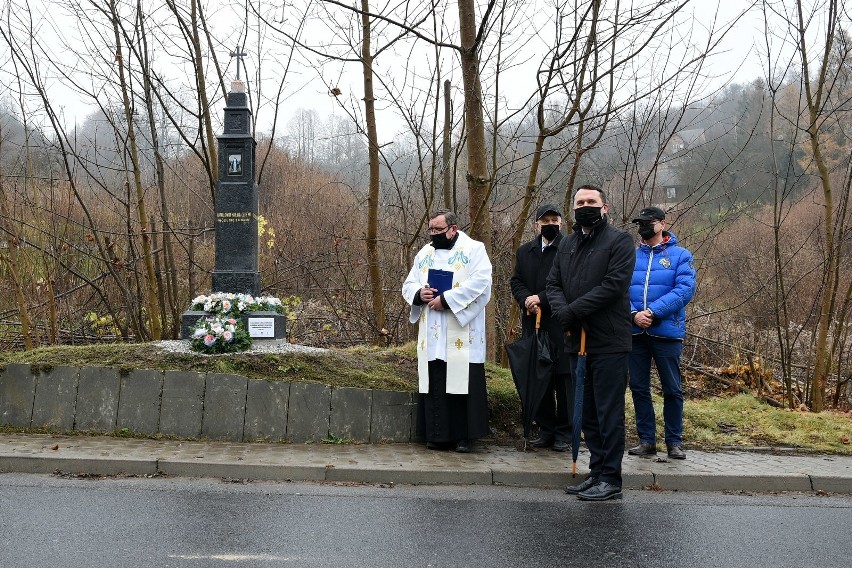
column 412, row 464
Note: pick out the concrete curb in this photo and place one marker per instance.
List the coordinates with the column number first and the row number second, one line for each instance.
column 410, row 464
column 831, row 484
column 733, row 482
column 96, row 465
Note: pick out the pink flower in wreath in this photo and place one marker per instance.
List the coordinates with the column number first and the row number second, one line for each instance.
column 209, row 340
column 228, row 336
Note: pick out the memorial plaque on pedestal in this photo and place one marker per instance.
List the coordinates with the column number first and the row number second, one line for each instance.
column 260, row 325
column 266, row 325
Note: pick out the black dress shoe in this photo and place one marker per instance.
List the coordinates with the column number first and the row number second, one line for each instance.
column 580, row 487
column 643, row 450
column 600, row 491
column 463, row 447
column 561, row 446
column 441, row 446
column 676, row 452
column 541, row 442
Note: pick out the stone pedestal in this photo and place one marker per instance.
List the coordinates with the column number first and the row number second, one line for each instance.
column 260, row 325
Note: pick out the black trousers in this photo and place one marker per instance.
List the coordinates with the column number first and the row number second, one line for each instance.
column 447, row 418
column 603, row 413
column 556, row 412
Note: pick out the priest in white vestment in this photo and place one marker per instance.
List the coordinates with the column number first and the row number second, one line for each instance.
column 452, row 407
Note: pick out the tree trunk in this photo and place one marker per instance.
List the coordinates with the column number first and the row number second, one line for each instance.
column 447, row 149
column 373, row 195
column 478, row 179
column 203, row 102
column 152, row 302
column 782, row 318
column 814, row 100
column 169, row 289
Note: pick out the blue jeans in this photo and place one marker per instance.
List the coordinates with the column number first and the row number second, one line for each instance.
column 666, row 356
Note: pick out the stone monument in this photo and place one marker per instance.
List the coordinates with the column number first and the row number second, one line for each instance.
column 236, row 268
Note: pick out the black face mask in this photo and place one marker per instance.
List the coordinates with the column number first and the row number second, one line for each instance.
column 549, row 232
column 440, row 241
column 588, row 216
column 647, row 231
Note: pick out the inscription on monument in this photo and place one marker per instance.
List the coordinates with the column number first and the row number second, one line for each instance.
column 261, row 327
column 234, row 217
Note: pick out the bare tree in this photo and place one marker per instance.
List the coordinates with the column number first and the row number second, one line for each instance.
column 373, row 193
column 822, row 54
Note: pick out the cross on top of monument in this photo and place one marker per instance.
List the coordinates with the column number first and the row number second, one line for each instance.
column 239, row 54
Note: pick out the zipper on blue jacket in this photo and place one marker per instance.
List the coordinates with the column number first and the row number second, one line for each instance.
column 647, row 280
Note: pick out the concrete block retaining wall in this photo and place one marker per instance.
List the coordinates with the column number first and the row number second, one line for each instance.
column 199, row 405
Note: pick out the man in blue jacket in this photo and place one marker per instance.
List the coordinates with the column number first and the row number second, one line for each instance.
column 663, row 283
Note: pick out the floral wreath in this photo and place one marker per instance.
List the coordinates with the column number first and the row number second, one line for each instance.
column 222, row 331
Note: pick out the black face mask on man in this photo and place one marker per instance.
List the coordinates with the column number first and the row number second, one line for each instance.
column 647, row 231
column 588, row 215
column 549, row 232
column 440, row 241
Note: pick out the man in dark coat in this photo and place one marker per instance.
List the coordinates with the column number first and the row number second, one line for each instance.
column 588, row 289
column 533, row 261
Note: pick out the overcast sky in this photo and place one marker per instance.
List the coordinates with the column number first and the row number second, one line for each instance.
column 738, row 59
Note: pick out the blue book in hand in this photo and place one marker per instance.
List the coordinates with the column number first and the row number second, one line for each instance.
column 442, row 280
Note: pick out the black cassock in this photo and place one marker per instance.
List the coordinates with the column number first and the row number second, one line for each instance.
column 448, row 418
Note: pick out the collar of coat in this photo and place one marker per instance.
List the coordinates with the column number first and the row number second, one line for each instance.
column 599, row 227
column 668, row 239
column 536, row 242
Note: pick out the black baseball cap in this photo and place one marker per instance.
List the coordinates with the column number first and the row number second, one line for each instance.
column 545, row 209
column 650, row 214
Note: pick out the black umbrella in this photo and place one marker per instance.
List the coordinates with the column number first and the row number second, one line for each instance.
column 579, row 389
column 532, row 367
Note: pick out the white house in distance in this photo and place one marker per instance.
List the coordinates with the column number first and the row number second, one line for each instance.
column 669, row 187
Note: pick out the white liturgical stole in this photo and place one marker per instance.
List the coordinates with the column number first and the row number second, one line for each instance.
column 457, row 335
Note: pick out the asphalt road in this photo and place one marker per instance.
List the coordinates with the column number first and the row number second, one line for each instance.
column 51, row 521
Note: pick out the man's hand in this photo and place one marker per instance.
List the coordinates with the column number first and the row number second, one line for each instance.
column 427, row 294
column 644, row 319
column 566, row 319
column 436, row 304
column 532, row 303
